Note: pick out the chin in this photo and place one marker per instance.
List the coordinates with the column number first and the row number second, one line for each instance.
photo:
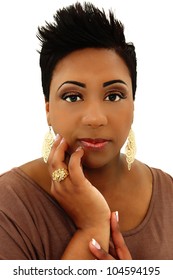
column 94, row 163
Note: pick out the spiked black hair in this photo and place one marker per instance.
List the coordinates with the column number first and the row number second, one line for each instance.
column 82, row 26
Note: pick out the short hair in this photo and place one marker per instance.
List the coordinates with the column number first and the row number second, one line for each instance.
column 78, row 27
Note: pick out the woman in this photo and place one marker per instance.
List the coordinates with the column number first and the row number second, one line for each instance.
column 66, row 206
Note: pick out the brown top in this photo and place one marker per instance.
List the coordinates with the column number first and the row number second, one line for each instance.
column 34, row 226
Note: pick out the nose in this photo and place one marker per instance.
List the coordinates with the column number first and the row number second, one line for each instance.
column 94, row 115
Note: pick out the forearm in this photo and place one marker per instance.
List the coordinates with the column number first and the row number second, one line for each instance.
column 78, row 247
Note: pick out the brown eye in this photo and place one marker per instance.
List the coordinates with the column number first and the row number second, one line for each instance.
column 113, row 97
column 72, row 98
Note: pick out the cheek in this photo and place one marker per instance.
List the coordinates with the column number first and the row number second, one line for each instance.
column 122, row 124
column 57, row 119
column 126, row 124
column 123, row 117
column 128, row 114
column 64, row 120
column 63, row 127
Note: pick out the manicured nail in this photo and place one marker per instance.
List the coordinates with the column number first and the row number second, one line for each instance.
column 57, row 137
column 95, row 244
column 79, row 148
column 62, row 141
column 117, row 216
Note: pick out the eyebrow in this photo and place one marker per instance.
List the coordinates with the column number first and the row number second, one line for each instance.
column 74, row 83
column 113, row 82
column 84, row 86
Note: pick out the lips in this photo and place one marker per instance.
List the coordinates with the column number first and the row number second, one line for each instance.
column 96, row 144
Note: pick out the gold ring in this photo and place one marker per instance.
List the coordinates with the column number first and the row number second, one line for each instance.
column 59, row 175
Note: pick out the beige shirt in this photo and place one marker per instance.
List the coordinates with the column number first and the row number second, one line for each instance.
column 33, row 226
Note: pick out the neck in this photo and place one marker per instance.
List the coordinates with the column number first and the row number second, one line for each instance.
column 107, row 176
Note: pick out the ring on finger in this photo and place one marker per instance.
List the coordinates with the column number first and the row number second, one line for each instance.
column 59, row 174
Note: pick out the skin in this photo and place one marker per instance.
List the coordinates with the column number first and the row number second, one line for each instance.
column 91, row 97
column 120, row 250
column 96, row 117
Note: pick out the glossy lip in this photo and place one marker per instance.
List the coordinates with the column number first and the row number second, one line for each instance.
column 94, row 144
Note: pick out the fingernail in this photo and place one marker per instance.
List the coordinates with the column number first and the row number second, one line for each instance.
column 95, row 244
column 62, row 140
column 57, row 137
column 79, row 148
column 117, row 216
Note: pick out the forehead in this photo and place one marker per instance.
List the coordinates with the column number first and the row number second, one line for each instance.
column 92, row 63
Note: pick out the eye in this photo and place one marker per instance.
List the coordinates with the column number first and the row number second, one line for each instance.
column 72, row 98
column 114, row 97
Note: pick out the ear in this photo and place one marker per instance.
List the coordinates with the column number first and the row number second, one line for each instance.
column 47, row 112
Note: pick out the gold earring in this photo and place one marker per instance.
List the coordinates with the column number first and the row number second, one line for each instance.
column 130, row 149
column 47, row 144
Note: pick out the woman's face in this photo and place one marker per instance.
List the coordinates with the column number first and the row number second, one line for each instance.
column 91, row 104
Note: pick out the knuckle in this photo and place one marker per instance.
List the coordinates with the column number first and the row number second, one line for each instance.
column 54, row 164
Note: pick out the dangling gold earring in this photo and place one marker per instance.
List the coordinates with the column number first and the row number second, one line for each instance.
column 130, row 149
column 47, row 144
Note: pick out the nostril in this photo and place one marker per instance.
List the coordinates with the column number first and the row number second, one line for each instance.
column 95, row 121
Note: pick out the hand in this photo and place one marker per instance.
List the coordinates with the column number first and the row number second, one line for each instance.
column 120, row 252
column 79, row 198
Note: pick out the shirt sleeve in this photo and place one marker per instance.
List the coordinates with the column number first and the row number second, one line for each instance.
column 14, row 243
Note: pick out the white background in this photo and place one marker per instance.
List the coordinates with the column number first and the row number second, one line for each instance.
column 148, row 24
column 85, row 270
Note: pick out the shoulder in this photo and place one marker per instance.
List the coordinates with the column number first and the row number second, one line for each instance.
column 11, row 183
column 22, row 198
column 153, row 174
column 30, row 178
column 162, row 188
column 18, row 193
column 16, row 183
column 21, row 191
column 161, row 177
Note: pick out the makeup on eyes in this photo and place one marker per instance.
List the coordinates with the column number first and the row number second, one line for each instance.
column 112, row 96
column 105, row 84
column 71, row 89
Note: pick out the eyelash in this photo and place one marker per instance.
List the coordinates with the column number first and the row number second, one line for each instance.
column 119, row 95
column 65, row 96
column 76, row 95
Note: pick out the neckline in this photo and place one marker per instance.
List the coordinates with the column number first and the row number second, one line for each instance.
column 150, row 208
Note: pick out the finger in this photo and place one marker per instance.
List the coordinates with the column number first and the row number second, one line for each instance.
column 98, row 252
column 56, row 142
column 57, row 155
column 118, row 240
column 75, row 167
column 112, row 250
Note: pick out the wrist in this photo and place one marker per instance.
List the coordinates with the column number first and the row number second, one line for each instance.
column 100, row 232
column 81, row 239
column 99, row 222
